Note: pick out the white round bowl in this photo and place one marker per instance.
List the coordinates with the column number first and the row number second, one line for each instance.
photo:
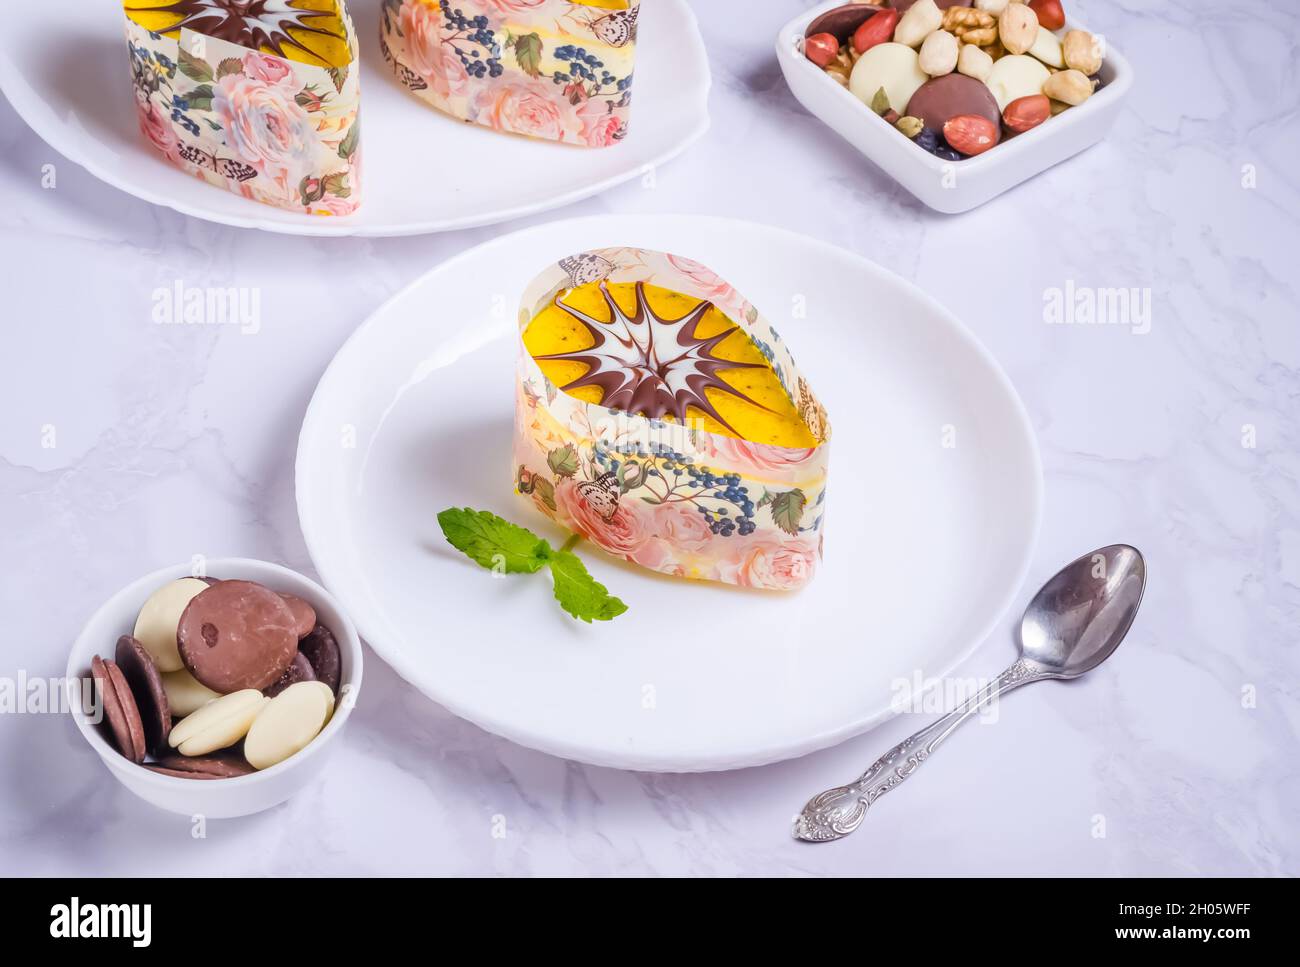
column 217, row 798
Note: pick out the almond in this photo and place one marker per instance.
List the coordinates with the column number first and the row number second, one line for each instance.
column 1049, row 13
column 876, row 29
column 1025, row 113
column 970, row 134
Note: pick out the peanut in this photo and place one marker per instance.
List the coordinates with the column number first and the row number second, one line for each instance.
column 922, row 19
column 939, row 53
column 1017, row 28
column 1083, row 52
column 1071, row 87
column 994, row 7
column 974, row 62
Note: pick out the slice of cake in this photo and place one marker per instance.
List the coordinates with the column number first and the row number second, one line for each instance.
column 560, row 70
column 256, row 96
column 660, row 416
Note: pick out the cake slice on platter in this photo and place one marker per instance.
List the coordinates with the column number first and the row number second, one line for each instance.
column 260, row 97
column 558, row 70
column 660, row 416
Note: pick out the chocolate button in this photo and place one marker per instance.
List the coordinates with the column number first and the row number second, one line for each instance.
column 237, row 635
column 219, row 765
column 323, row 652
column 940, row 99
column 145, row 681
column 842, row 21
column 299, row 670
column 120, row 713
column 303, row 613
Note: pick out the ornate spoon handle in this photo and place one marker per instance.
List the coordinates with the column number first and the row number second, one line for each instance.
column 837, row 812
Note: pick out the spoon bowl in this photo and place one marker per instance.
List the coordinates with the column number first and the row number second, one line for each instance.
column 1079, row 617
column 1073, row 624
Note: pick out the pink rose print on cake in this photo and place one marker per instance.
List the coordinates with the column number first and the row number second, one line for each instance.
column 428, row 53
column 626, row 533
column 781, row 566
column 683, row 525
column 265, row 127
column 710, row 284
column 270, row 70
column 157, row 128
column 758, row 457
column 600, row 127
column 525, row 107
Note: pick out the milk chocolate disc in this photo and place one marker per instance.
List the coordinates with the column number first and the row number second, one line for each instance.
column 145, row 681
column 120, row 713
column 842, row 21
column 219, row 765
column 323, row 652
column 299, row 670
column 940, row 99
column 179, row 773
column 237, row 635
column 303, row 613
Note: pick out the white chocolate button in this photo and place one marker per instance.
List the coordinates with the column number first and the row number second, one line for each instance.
column 895, row 67
column 185, row 693
column 1015, row 76
column 219, row 724
column 287, row 723
column 155, row 627
column 1047, row 48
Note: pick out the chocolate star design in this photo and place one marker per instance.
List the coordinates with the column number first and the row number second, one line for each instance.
column 249, row 23
column 650, row 366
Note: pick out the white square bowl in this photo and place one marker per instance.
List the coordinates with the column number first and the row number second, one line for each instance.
column 950, row 186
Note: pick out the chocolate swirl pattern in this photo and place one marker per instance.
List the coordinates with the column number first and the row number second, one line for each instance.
column 254, row 24
column 650, row 366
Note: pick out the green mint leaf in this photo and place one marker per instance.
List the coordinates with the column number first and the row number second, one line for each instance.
column 579, row 593
column 492, row 542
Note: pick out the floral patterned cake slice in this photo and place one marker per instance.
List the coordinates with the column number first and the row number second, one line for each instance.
column 259, row 97
column 560, row 70
column 660, row 416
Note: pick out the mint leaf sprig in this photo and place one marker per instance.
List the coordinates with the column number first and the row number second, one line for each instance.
column 495, row 543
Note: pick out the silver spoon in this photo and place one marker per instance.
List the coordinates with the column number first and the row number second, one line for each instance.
column 1075, row 622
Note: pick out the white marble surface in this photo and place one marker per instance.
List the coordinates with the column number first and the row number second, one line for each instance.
column 172, row 441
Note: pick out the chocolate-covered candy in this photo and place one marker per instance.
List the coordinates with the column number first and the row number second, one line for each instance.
column 218, row 765
column 304, row 615
column 322, row 650
column 237, row 635
column 940, row 99
column 842, row 21
column 146, row 685
column 299, row 670
column 178, row 773
column 120, row 710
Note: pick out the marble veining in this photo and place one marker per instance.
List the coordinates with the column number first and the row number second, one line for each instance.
column 126, row 444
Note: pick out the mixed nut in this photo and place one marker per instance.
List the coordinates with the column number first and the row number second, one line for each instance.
column 957, row 76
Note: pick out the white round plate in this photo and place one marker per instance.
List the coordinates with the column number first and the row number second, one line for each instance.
column 926, row 544
column 63, row 67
